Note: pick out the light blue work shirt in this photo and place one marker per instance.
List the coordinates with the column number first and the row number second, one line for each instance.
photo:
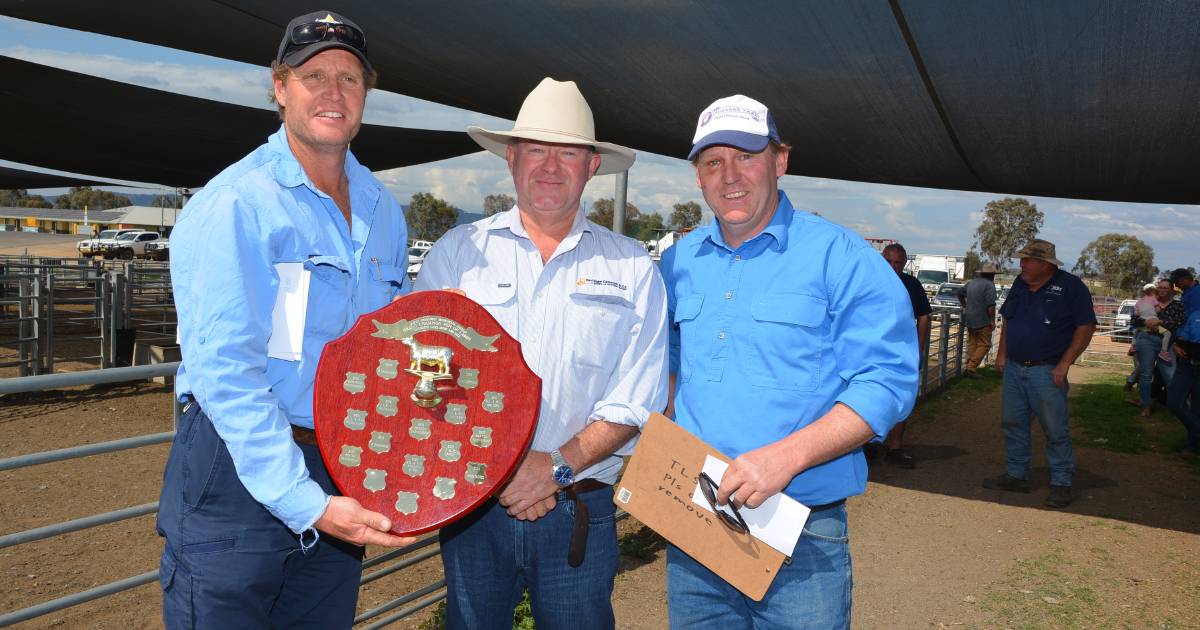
column 261, row 211
column 765, row 338
column 591, row 320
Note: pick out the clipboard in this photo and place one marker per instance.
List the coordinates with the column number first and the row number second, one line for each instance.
column 656, row 489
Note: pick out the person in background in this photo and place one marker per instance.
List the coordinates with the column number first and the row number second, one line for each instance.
column 1048, row 321
column 1183, row 393
column 896, row 257
column 978, row 299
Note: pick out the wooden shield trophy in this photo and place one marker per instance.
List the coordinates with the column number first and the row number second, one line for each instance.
column 424, row 409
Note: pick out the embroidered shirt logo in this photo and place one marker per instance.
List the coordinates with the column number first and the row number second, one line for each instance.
column 600, row 283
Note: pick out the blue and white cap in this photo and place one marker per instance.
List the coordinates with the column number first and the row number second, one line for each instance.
column 738, row 121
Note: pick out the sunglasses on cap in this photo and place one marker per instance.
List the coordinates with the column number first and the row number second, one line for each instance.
column 708, row 488
column 313, row 32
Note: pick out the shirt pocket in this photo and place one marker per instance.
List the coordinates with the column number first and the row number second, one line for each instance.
column 329, row 298
column 687, row 310
column 385, row 283
column 784, row 340
column 598, row 329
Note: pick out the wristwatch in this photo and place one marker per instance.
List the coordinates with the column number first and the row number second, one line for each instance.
column 564, row 475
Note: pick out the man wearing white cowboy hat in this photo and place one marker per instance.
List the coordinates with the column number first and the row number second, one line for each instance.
column 1048, row 321
column 792, row 344
column 978, row 299
column 589, row 309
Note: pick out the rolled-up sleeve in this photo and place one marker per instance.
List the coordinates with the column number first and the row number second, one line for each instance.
column 874, row 340
column 221, row 261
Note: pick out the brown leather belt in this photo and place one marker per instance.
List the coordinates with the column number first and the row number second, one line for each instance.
column 579, row 531
column 304, row 436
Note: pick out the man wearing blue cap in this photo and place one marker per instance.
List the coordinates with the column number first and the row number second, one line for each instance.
column 791, row 346
column 297, row 232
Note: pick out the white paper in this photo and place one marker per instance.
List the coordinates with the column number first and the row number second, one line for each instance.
column 777, row 522
column 287, row 318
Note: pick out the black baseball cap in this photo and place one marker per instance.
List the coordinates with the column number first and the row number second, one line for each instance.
column 314, row 32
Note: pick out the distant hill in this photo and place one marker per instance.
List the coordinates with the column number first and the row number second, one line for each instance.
column 468, row 217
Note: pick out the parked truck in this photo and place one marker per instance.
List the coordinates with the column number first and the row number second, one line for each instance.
column 933, row 270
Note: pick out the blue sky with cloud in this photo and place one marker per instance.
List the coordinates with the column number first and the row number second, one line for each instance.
column 925, row 220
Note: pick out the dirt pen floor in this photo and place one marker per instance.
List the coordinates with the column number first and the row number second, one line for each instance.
column 931, row 548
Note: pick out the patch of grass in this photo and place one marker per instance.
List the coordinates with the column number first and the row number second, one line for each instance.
column 1044, row 591
column 1101, row 418
column 522, row 616
column 960, row 391
column 641, row 544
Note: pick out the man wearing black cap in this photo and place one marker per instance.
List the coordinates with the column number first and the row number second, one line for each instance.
column 277, row 255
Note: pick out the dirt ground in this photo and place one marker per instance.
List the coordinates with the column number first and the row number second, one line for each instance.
column 35, row 244
column 931, row 548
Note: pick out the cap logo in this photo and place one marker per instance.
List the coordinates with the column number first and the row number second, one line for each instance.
column 329, row 19
column 707, row 117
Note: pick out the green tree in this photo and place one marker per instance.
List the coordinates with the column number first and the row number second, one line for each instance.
column 971, row 263
column 602, row 214
column 20, row 198
column 1007, row 225
column 1120, row 260
column 685, row 216
column 650, row 227
column 81, row 196
column 429, row 217
column 493, row 204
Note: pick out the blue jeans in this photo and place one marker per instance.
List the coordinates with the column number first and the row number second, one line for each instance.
column 227, row 562
column 1147, row 347
column 1030, row 391
column 490, row 557
column 813, row 591
column 1183, row 397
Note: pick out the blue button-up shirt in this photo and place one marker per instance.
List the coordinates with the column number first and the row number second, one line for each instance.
column 767, row 337
column 261, row 211
column 591, row 320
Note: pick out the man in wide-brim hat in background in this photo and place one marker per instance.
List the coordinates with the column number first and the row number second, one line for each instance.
column 978, row 299
column 589, row 309
column 1048, row 321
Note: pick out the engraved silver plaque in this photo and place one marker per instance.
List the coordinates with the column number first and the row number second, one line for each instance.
column 388, row 369
column 476, row 473
column 456, row 413
column 420, row 429
column 468, row 378
column 388, row 406
column 381, row 442
column 493, row 402
column 355, row 383
column 375, row 479
column 356, row 419
column 481, row 436
column 414, row 465
column 444, row 488
column 451, row 451
column 406, row 502
column 351, row 456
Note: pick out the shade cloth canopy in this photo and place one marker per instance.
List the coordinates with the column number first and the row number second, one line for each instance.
column 1084, row 99
column 80, row 123
column 14, row 177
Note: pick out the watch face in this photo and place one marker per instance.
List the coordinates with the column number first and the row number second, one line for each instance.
column 564, row 476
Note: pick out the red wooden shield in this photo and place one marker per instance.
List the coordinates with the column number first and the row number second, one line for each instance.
column 424, row 409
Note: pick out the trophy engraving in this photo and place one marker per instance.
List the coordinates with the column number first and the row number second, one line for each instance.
column 476, row 473
column 481, row 436
column 388, row 406
column 356, row 419
column 451, row 451
column 351, row 456
column 375, row 479
column 414, row 465
column 444, row 488
column 388, row 369
column 406, row 502
column 420, row 429
column 456, row 413
column 493, row 402
column 468, row 378
column 355, row 383
column 381, row 442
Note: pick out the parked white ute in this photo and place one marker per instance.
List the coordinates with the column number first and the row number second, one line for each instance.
column 91, row 247
column 128, row 246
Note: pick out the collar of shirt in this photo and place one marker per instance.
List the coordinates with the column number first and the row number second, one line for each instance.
column 775, row 234
column 512, row 222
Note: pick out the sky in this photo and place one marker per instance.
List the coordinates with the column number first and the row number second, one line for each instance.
column 925, row 220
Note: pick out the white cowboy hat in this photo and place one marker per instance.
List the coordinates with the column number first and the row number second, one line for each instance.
column 555, row 111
